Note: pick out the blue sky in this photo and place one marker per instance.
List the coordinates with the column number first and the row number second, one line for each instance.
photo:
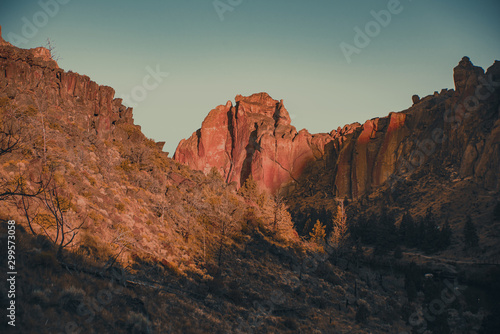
column 290, row 49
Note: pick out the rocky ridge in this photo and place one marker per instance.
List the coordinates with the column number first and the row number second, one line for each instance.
column 34, row 70
column 255, row 137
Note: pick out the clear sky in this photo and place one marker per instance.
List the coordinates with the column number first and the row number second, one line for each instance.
column 288, row 48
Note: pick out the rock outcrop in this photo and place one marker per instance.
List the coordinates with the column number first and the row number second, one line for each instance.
column 466, row 77
column 252, row 137
column 458, row 128
column 93, row 106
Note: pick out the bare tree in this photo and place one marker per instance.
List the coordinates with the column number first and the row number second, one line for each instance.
column 58, row 205
column 51, row 46
column 10, row 137
column 11, row 140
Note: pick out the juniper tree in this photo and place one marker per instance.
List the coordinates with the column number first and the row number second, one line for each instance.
column 318, row 233
column 470, row 234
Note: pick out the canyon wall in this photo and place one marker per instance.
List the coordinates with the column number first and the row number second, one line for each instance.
column 255, row 137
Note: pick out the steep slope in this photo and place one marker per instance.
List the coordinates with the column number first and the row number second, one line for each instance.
column 81, row 143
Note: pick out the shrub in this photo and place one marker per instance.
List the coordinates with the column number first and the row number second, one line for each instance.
column 120, row 207
column 470, row 234
column 326, row 271
column 291, row 323
column 125, row 165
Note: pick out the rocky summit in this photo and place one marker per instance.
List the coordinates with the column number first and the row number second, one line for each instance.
column 255, row 137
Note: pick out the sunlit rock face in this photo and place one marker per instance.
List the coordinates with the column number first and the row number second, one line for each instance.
column 252, row 137
column 255, row 137
column 33, row 70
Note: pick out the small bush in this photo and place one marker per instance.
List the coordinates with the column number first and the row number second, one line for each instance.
column 125, row 165
column 120, row 207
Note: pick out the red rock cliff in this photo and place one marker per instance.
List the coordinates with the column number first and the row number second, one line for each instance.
column 255, row 137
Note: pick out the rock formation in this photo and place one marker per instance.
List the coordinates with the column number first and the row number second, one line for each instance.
column 255, row 137
column 35, row 68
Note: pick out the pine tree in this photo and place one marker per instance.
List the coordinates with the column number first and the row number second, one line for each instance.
column 470, row 234
column 386, row 233
column 318, row 233
column 250, row 189
column 408, row 230
column 282, row 224
column 369, row 230
column 431, row 233
column 496, row 212
column 445, row 236
column 338, row 236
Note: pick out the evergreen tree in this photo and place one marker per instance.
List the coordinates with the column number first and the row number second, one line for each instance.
column 431, row 233
column 369, row 230
column 282, row 224
column 411, row 290
column 421, row 233
column 470, row 234
column 250, row 189
column 354, row 229
column 496, row 212
column 339, row 234
column 408, row 230
column 445, row 236
column 398, row 253
column 386, row 233
column 307, row 226
column 318, row 233
column 413, row 280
